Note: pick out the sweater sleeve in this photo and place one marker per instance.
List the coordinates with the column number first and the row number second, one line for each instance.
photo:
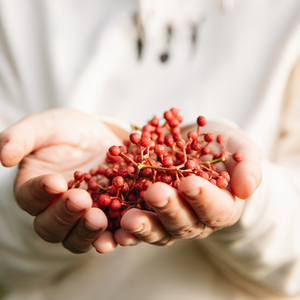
column 262, row 250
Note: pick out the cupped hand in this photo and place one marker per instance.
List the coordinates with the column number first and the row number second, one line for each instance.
column 50, row 146
column 197, row 208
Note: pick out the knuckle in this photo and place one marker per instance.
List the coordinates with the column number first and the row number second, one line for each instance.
column 24, row 206
column 45, row 234
column 165, row 241
column 62, row 223
column 183, row 232
column 86, row 236
column 186, row 232
column 83, row 248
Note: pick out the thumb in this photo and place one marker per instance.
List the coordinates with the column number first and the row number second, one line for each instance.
column 21, row 139
column 54, row 126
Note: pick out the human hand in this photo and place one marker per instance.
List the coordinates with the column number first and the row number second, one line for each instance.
column 49, row 150
column 183, row 213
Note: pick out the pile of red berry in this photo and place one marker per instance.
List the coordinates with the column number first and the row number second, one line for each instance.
column 157, row 152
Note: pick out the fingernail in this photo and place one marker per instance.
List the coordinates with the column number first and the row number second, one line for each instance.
column 134, row 243
column 192, row 193
column 73, row 208
column 136, row 230
column 89, row 226
column 1, row 147
column 50, row 191
column 160, row 203
column 3, row 144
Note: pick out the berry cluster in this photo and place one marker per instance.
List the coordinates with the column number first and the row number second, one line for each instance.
column 156, row 152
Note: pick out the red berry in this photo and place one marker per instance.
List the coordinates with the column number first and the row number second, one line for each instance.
column 169, row 141
column 128, row 157
column 113, row 213
column 159, row 130
column 92, row 185
column 123, row 172
column 131, row 197
column 110, row 226
column 110, row 173
column 167, row 161
column 203, row 175
column 180, row 144
column 118, row 181
column 123, row 149
column 209, row 137
column 152, row 145
column 237, row 156
column 213, row 181
column 146, row 184
column 78, row 175
column 190, row 164
column 142, row 194
column 138, row 186
column 95, row 204
column 104, row 199
column 175, row 130
column 135, row 138
column 123, row 211
column 115, row 204
column 221, row 139
column 177, row 137
column 126, row 143
column 147, row 129
column 205, row 151
column 154, row 122
column 93, row 172
column 147, row 173
column 174, row 111
column 222, row 183
column 195, row 145
column 168, row 115
column 166, row 178
column 112, row 191
column 146, row 141
column 192, row 135
column 201, row 121
column 160, row 139
column 70, row 184
column 101, row 170
column 114, row 150
column 175, row 184
column 125, row 188
column 159, row 150
column 87, row 176
column 131, row 170
column 173, row 123
column 225, row 175
column 180, row 119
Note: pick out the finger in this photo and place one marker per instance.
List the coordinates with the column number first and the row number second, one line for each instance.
column 177, row 216
column 125, row 238
column 22, row 138
column 105, row 242
column 247, row 174
column 56, row 222
column 246, row 178
column 213, row 206
column 183, row 215
column 87, row 230
column 36, row 194
column 147, row 227
column 49, row 128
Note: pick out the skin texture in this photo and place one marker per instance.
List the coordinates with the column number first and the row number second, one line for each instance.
column 49, row 150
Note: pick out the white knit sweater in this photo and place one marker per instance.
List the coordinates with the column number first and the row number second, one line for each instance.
column 234, row 60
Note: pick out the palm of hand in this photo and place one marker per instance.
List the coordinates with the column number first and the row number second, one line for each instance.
column 50, row 150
